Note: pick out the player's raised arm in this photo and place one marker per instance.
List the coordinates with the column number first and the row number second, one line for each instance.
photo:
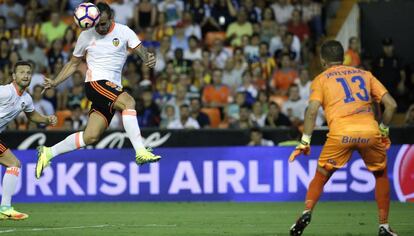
column 65, row 73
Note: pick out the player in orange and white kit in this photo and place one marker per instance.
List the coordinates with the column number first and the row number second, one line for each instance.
column 347, row 95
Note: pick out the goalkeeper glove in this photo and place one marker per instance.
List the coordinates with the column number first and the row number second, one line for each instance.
column 385, row 139
column 302, row 148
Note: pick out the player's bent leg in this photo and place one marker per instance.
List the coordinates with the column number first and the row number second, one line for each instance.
column 96, row 126
column 315, row 189
column 10, row 178
column 126, row 104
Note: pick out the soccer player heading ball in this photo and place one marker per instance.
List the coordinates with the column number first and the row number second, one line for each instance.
column 105, row 47
column 13, row 100
column 347, row 95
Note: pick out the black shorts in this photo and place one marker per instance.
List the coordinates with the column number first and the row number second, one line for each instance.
column 102, row 94
column 3, row 147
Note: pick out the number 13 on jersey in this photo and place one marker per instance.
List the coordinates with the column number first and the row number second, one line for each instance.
column 362, row 94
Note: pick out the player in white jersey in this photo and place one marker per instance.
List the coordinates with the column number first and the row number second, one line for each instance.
column 105, row 47
column 13, row 100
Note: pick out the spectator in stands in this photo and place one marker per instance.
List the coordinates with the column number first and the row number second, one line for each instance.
column 41, row 105
column 266, row 62
column 388, row 68
column 283, row 11
column 123, row 11
column 56, row 53
column 219, row 54
column 38, row 9
column 179, row 99
column 185, row 121
column 196, row 113
column 233, row 109
column 179, row 40
column 216, row 94
column 409, row 118
column 304, row 84
column 269, row 27
column 34, row 53
column 237, row 29
column 352, row 54
column 298, row 27
column 53, row 29
column 31, row 26
column 294, row 107
column 248, row 87
column 311, row 13
column 251, row 50
column 4, row 53
column 4, row 32
column 284, row 77
column 256, row 138
column 77, row 92
column 168, row 116
column 199, row 75
column 181, row 65
column 198, row 9
column 222, row 13
column 145, row 14
column 173, row 10
column 69, row 40
column 258, row 116
column 78, row 119
column 194, row 51
column 290, row 45
column 191, row 28
column 148, row 111
column 185, row 81
column 263, row 98
column 254, row 13
column 275, row 118
column 244, row 121
column 231, row 75
column 13, row 11
column 162, row 29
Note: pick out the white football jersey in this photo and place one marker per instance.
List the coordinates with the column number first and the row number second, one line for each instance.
column 12, row 103
column 106, row 54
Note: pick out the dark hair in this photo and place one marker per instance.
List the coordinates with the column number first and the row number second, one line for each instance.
column 37, row 86
column 104, row 7
column 332, row 51
column 256, row 129
column 21, row 63
column 184, row 106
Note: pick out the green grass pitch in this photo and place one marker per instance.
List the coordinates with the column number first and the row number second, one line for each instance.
column 202, row 219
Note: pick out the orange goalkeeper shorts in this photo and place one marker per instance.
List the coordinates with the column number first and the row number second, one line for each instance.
column 338, row 150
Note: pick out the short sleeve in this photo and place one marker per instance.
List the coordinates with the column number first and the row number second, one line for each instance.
column 377, row 89
column 316, row 93
column 132, row 38
column 29, row 107
column 81, row 45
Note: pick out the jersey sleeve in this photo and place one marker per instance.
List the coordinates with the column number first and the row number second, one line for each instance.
column 132, row 38
column 377, row 89
column 29, row 107
column 316, row 93
column 81, row 45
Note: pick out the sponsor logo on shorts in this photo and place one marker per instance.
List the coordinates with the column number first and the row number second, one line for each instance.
column 349, row 139
column 404, row 173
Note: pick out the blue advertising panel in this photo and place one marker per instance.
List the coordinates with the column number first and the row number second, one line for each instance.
column 204, row 174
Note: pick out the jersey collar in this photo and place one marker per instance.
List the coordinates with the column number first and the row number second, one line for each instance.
column 17, row 89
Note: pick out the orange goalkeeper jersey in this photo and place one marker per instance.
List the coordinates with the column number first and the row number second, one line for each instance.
column 346, row 94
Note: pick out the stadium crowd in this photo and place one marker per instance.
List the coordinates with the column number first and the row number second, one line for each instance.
column 220, row 63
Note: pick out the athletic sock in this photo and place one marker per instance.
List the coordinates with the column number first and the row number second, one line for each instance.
column 382, row 195
column 10, row 179
column 129, row 119
column 70, row 143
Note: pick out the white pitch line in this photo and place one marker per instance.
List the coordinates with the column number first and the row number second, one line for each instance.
column 82, row 227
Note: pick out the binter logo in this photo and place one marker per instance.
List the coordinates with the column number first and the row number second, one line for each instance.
column 404, row 173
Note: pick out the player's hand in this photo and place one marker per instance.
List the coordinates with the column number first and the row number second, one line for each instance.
column 48, row 83
column 302, row 148
column 52, row 120
column 150, row 60
column 385, row 139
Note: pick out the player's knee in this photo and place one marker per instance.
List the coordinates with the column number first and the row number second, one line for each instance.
column 90, row 139
column 15, row 163
column 129, row 102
